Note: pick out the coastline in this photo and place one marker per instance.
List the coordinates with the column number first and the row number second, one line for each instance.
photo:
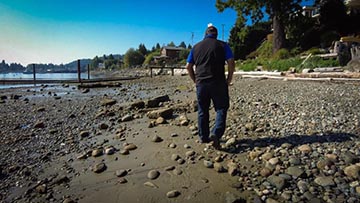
column 49, row 135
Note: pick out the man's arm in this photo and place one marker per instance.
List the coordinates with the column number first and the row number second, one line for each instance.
column 231, row 69
column 190, row 70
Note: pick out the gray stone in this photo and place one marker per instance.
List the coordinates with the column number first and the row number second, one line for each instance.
column 98, row 168
column 153, row 174
column 296, row 171
column 130, row 146
column 150, row 184
column 166, row 113
column 173, row 194
column 154, row 102
column 156, row 138
column 324, row 181
column 277, row 181
column 208, row 164
column 121, row 173
column 127, row 117
column 352, row 171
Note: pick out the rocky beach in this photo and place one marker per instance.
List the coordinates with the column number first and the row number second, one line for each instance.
column 136, row 141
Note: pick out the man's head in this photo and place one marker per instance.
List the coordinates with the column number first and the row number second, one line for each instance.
column 211, row 30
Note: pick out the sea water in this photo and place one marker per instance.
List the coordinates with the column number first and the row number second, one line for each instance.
column 39, row 76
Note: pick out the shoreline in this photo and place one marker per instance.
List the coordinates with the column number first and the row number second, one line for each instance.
column 281, row 135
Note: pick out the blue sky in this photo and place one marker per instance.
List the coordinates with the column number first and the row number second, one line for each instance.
column 60, row 31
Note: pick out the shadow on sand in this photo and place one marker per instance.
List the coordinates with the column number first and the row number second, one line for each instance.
column 247, row 144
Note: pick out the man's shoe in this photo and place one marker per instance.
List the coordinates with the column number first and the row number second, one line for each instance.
column 215, row 141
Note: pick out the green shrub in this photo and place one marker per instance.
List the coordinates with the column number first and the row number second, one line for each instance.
column 282, row 64
column 281, row 54
column 248, row 65
column 314, row 51
column 295, row 51
column 318, row 62
column 265, row 49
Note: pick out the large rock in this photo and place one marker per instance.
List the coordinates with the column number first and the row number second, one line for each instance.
column 166, row 113
column 156, row 101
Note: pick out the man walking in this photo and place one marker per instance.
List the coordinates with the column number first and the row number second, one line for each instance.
column 209, row 56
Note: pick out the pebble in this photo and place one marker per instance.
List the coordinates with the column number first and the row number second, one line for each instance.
column 208, row 164
column 121, row 173
column 324, row 181
column 98, row 168
column 130, row 147
column 153, row 174
column 156, row 138
column 173, row 194
column 97, row 152
column 150, row 184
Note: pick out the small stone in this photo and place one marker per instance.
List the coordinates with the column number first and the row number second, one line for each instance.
column 84, row 134
column 103, row 126
column 177, row 171
column 124, row 152
column 277, row 181
column 208, row 164
column 352, row 171
column 121, row 173
column 295, row 171
column 150, row 184
column 68, row 200
column 325, row 181
column 156, row 138
column 39, row 124
column 160, row 120
column 169, row 168
column 181, row 161
column 265, row 172
column 219, row 167
column 130, row 146
column 126, row 118
column 122, row 180
column 274, row 161
column 153, row 174
column 98, row 168
column 305, row 148
column 41, row 189
column 174, row 135
column 190, row 153
column 96, row 152
column 186, row 146
column 175, row 157
column 173, row 194
column 110, row 150
column 172, row 145
column 230, row 142
column 232, row 168
column 267, row 156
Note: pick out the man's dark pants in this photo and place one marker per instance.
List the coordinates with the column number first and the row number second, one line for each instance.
column 217, row 92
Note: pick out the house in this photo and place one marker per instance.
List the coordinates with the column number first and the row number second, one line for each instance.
column 171, row 52
column 311, row 11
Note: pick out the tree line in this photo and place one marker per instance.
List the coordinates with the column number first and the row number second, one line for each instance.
column 135, row 57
